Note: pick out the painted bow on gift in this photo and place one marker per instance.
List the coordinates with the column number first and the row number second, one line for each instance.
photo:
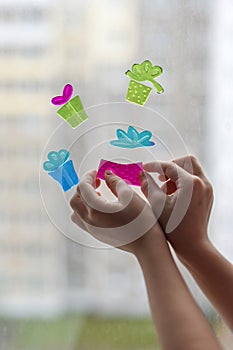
column 146, row 72
column 56, row 159
column 132, row 138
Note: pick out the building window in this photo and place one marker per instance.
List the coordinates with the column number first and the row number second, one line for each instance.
column 30, row 14
column 25, row 52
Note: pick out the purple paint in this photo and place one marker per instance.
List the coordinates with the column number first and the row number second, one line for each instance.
column 128, row 172
column 65, row 97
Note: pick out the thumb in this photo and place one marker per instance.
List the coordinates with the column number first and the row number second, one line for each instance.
column 118, row 186
column 151, row 190
column 111, row 181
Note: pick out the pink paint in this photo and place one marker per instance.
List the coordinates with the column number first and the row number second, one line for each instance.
column 65, row 97
column 128, row 172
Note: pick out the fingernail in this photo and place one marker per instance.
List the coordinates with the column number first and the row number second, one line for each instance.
column 141, row 175
column 108, row 172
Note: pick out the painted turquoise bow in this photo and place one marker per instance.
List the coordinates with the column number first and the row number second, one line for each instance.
column 56, row 159
column 132, row 138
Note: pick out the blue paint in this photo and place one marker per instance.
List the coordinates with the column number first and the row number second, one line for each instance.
column 132, row 138
column 60, row 169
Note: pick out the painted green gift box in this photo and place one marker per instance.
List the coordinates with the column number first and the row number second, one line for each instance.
column 137, row 92
column 73, row 112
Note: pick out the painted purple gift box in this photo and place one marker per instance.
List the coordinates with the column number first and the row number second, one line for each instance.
column 61, row 169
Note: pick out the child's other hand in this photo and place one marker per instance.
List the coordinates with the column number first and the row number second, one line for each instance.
column 185, row 185
column 117, row 223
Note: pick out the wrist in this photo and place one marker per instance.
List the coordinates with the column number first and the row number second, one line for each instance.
column 194, row 252
column 150, row 245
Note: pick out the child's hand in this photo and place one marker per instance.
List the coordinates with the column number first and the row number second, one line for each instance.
column 116, row 223
column 186, row 185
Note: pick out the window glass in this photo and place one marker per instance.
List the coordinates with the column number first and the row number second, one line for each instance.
column 50, row 285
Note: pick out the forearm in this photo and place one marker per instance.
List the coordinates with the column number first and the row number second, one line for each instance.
column 179, row 322
column 214, row 275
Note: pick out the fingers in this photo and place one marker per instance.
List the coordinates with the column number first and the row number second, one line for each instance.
column 150, row 188
column 78, row 221
column 88, row 194
column 97, row 183
column 169, row 187
column 156, row 197
column 93, row 201
column 90, row 178
column 191, row 165
column 168, row 169
column 111, row 181
column 162, row 178
column 78, row 206
column 118, row 187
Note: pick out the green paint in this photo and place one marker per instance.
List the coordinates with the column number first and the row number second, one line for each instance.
column 138, row 93
column 73, row 112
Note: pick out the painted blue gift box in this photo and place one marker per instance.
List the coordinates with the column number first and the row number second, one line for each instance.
column 65, row 175
column 61, row 169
